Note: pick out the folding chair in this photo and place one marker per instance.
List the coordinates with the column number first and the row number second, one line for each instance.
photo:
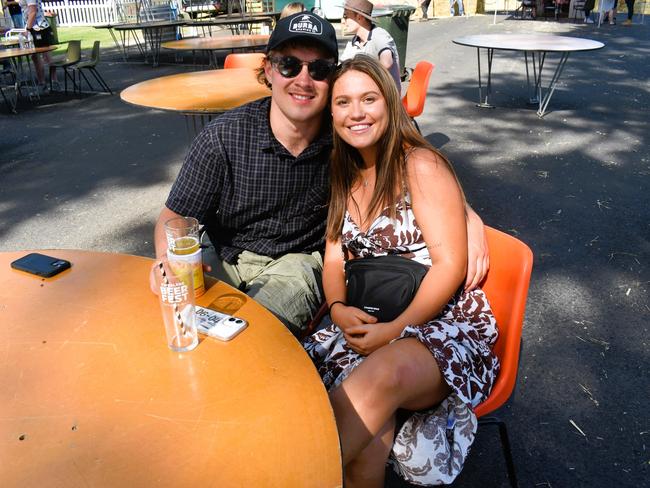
column 416, row 93
column 91, row 66
column 72, row 57
column 578, row 6
column 527, row 7
column 550, row 6
column 243, row 60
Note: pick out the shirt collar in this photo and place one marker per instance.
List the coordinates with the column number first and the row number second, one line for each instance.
column 268, row 142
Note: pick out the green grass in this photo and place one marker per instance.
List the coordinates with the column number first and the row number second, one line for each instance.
column 86, row 34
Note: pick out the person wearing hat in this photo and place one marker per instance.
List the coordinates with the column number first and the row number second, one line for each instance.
column 368, row 38
column 257, row 177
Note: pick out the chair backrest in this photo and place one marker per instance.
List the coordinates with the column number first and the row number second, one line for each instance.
column 243, row 60
column 506, row 286
column 579, row 5
column 416, row 93
column 73, row 53
column 94, row 56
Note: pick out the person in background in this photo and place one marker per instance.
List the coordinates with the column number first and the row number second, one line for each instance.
column 424, row 5
column 369, row 39
column 39, row 27
column 608, row 8
column 461, row 11
column 589, row 6
column 16, row 14
column 392, row 193
column 630, row 12
column 292, row 8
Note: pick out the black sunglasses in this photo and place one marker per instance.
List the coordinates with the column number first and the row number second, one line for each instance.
column 290, row 67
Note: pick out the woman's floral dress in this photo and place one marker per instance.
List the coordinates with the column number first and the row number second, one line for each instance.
column 430, row 446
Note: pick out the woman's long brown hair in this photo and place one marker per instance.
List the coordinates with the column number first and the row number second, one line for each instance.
column 346, row 162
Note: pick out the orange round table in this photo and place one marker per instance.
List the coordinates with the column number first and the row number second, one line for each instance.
column 92, row 396
column 198, row 92
column 215, row 43
column 212, row 44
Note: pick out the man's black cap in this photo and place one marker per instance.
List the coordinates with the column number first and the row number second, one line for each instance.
column 305, row 25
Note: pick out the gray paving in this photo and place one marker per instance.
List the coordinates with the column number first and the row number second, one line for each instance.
column 93, row 172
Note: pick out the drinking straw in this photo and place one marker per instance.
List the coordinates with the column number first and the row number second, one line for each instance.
column 178, row 319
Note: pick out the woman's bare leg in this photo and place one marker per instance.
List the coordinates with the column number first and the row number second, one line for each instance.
column 368, row 469
column 402, row 374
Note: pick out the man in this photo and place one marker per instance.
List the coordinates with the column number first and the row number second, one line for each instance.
column 368, row 38
column 257, row 178
column 39, row 27
column 16, row 14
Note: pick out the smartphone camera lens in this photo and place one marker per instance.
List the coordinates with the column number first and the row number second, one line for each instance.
column 58, row 263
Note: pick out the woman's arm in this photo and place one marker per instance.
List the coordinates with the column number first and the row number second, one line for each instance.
column 335, row 291
column 439, row 210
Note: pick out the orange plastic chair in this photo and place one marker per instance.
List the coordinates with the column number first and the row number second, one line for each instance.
column 506, row 286
column 243, row 60
column 416, row 93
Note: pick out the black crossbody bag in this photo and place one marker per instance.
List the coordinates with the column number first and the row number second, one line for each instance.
column 383, row 286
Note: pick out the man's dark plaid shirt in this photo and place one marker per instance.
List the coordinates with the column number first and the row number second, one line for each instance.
column 249, row 191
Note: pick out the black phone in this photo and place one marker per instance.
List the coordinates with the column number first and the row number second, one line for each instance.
column 41, row 265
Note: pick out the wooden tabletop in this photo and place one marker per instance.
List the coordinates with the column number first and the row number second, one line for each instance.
column 214, row 43
column 92, row 396
column 211, row 91
column 17, row 52
column 13, row 41
column 529, row 42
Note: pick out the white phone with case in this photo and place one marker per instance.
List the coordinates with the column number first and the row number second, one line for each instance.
column 218, row 325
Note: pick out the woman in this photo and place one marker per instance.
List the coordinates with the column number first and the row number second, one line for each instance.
column 392, row 193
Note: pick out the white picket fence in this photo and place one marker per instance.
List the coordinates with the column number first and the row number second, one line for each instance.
column 91, row 12
column 83, row 12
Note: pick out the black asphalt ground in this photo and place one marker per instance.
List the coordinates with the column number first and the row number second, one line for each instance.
column 93, row 172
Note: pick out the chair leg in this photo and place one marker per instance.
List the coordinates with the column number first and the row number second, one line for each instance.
column 505, row 445
column 90, row 86
column 100, row 80
column 415, row 123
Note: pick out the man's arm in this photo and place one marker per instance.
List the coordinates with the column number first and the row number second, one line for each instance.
column 159, row 237
column 386, row 58
column 31, row 16
column 478, row 256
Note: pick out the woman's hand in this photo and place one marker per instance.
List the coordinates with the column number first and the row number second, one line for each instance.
column 345, row 317
column 367, row 338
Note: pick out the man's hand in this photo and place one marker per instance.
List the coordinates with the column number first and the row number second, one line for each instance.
column 156, row 273
column 478, row 254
